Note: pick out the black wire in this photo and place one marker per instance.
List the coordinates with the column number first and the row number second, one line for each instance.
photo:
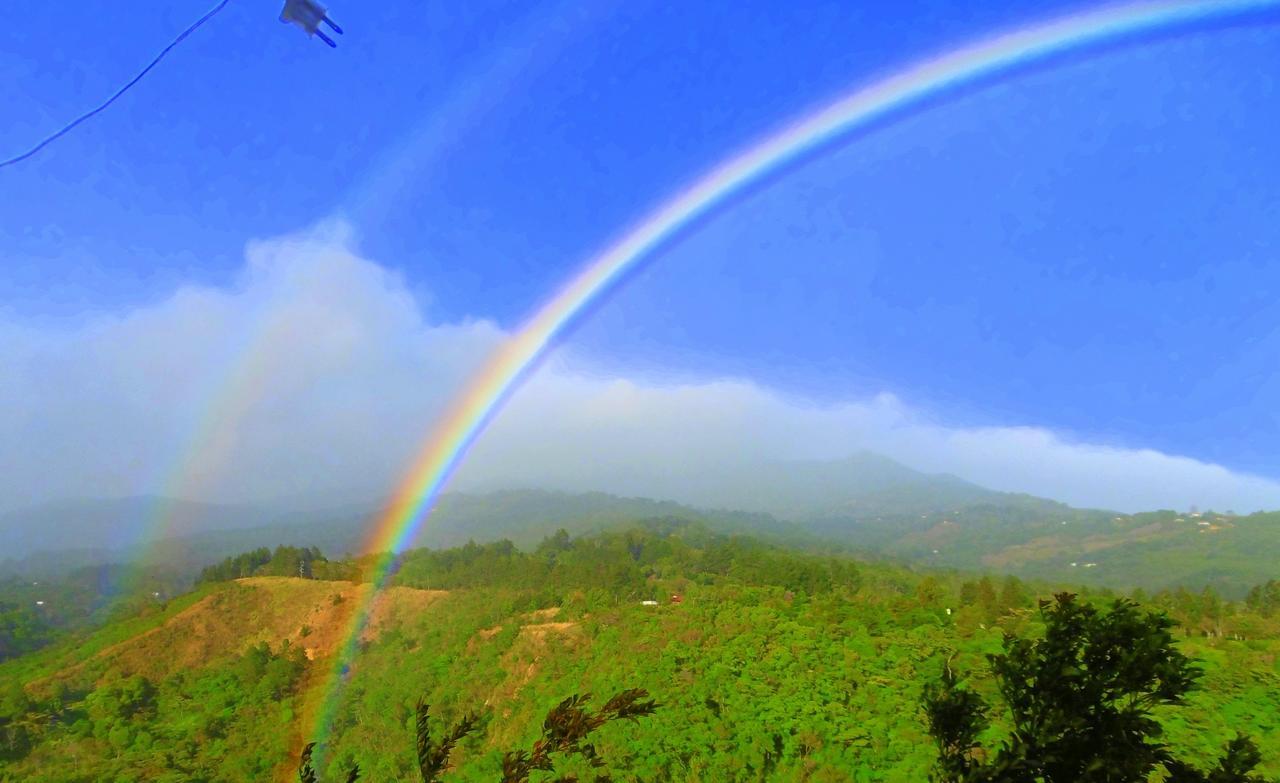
column 68, row 127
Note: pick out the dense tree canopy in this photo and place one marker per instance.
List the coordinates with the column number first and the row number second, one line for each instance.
column 304, row 562
column 22, row 630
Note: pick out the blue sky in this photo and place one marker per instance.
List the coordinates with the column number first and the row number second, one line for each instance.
column 1089, row 247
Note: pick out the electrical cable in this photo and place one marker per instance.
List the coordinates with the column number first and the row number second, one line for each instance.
column 69, row 126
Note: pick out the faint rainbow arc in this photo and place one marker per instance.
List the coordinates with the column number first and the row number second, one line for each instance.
column 483, row 396
column 197, row 456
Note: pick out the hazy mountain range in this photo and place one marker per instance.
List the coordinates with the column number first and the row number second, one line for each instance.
column 866, row 503
column 766, row 493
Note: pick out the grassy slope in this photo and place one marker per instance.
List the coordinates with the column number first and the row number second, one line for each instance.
column 205, row 631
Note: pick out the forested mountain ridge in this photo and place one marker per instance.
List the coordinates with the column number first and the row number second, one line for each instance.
column 771, row 663
column 1151, row 550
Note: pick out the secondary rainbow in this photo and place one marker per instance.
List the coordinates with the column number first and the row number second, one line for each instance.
column 484, row 396
column 203, row 447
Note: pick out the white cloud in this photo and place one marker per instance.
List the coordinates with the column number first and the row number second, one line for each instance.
column 318, row 374
column 580, row 433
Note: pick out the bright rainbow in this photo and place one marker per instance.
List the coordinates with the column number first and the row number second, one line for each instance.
column 488, row 390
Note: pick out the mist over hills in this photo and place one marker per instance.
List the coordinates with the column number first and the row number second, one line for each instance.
column 862, row 485
column 865, row 503
column 757, row 497
column 112, row 524
column 523, row 516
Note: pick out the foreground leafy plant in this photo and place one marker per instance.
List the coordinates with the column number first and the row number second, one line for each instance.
column 433, row 757
column 564, row 732
column 307, row 773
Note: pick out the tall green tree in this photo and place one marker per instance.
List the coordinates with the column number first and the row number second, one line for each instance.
column 1265, row 598
column 1080, row 700
column 14, row 732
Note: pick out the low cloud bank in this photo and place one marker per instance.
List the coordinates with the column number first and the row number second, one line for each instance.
column 317, row 375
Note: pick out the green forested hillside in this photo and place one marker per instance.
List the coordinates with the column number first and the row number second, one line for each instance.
column 34, row 612
column 1151, row 550
column 772, row 664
